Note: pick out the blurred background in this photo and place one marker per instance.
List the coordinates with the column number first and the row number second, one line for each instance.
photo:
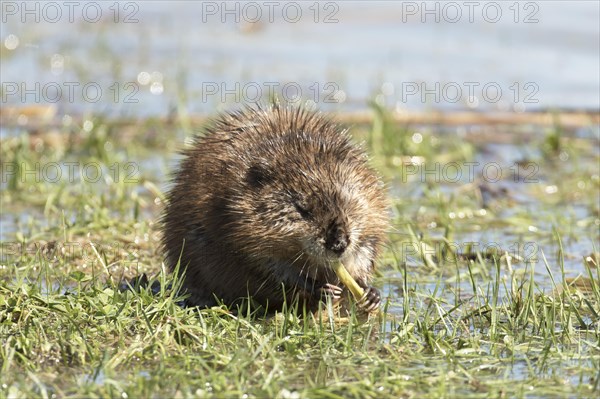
column 116, row 88
column 159, row 57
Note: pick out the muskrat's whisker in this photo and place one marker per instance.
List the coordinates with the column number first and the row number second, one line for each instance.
column 261, row 286
column 300, row 253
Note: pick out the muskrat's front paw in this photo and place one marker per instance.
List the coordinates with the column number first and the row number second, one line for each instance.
column 371, row 300
column 331, row 291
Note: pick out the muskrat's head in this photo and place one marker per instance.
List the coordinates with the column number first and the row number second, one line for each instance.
column 310, row 197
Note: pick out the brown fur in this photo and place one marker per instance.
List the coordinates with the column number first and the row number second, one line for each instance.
column 260, row 199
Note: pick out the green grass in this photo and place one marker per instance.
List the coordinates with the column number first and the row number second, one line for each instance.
column 459, row 319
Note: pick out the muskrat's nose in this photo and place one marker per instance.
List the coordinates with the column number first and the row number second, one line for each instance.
column 337, row 239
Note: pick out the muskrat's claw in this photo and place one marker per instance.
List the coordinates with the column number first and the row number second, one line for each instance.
column 332, row 291
column 371, row 300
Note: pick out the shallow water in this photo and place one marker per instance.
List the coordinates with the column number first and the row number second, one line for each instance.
column 178, row 59
column 184, row 54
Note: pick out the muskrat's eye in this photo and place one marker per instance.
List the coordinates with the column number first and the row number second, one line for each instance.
column 303, row 208
column 258, row 175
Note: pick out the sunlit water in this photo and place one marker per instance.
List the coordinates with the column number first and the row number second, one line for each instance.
column 186, row 55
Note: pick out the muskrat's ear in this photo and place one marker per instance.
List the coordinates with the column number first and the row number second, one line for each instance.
column 258, row 175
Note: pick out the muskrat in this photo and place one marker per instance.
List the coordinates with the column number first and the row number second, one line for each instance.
column 264, row 201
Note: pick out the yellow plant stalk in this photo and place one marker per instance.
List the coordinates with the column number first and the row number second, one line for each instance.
column 346, row 279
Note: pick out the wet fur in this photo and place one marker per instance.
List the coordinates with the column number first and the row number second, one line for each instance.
column 257, row 199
